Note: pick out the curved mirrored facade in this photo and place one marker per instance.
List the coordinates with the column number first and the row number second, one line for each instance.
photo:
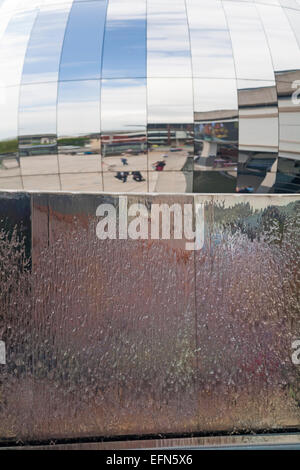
column 156, row 96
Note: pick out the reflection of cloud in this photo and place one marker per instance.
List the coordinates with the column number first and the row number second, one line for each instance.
column 210, row 40
column 123, row 105
column 251, row 51
column 38, row 109
column 170, row 100
column 9, row 110
column 120, row 10
column 215, row 94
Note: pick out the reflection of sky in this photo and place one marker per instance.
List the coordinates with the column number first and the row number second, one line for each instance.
column 13, row 47
column 38, row 109
column 168, row 44
column 44, row 48
column 210, row 40
column 124, row 52
column 78, row 110
column 82, row 49
column 215, row 95
column 170, row 100
column 251, row 52
column 9, row 110
column 282, row 41
column 123, row 105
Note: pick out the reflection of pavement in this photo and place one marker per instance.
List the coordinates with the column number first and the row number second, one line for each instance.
column 112, row 184
column 135, row 163
column 174, row 161
column 167, row 182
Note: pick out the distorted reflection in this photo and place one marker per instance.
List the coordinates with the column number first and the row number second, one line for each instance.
column 37, row 129
column 288, row 176
column 210, row 40
column 168, row 45
column 44, row 48
column 171, row 182
column 170, row 147
column 13, row 47
column 78, row 126
column 258, row 136
column 123, row 125
column 216, row 134
column 124, row 50
column 9, row 156
column 250, row 47
column 126, row 181
column 170, row 124
column 82, row 49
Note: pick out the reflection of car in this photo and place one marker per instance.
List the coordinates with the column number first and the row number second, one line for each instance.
column 175, row 149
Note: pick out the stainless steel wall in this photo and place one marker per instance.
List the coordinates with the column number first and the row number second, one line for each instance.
column 124, row 337
column 150, row 95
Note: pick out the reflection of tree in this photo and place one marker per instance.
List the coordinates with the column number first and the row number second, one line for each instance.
column 9, row 146
column 76, row 141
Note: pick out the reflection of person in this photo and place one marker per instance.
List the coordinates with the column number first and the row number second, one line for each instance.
column 137, row 176
column 124, row 161
column 159, row 166
column 122, row 176
column 245, row 189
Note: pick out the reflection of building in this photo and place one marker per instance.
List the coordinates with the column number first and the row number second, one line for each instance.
column 208, row 88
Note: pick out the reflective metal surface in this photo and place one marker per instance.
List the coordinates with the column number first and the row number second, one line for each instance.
column 182, row 86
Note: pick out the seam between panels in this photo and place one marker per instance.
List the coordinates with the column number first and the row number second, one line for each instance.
column 236, row 85
column 57, row 91
column 146, row 86
column 37, row 11
column 192, row 81
column 194, row 207
column 100, row 92
column 274, row 73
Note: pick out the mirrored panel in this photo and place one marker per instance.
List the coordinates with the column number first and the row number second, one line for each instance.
column 258, row 114
column 78, row 126
column 170, row 124
column 210, row 40
column 13, row 47
column 134, row 181
column 37, row 129
column 251, row 52
column 170, row 101
column 215, row 181
column 170, row 147
column 82, row 48
column 14, row 183
column 41, row 183
column 288, row 90
column 290, row 4
column 171, row 182
column 288, row 175
column 83, row 182
column 9, row 155
column 168, row 44
column 124, row 50
column 281, row 39
column 216, row 124
column 44, row 49
column 124, row 125
column 258, row 136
